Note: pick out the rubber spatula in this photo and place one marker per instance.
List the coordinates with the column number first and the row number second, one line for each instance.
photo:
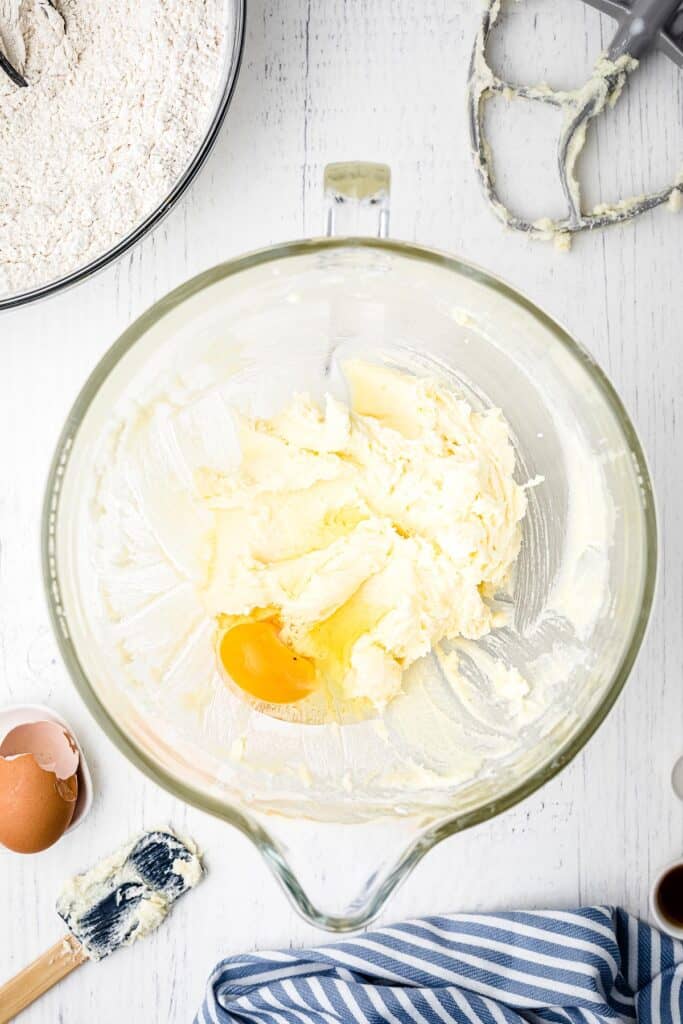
column 118, row 901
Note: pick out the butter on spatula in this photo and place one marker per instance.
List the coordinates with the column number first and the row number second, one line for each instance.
column 129, row 894
column 121, row 899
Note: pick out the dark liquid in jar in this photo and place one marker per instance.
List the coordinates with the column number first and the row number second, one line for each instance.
column 670, row 896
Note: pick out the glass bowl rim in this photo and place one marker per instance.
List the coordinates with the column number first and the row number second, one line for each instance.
column 446, row 824
column 233, row 61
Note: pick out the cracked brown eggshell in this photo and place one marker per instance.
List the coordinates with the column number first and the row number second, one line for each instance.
column 38, row 786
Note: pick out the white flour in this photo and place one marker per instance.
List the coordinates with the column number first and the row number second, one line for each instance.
column 119, row 99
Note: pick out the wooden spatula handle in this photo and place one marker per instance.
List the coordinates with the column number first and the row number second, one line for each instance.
column 20, row 991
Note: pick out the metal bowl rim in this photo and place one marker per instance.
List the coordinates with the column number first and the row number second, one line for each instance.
column 153, row 219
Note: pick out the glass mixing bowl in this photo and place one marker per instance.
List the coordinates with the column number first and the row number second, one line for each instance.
column 342, row 810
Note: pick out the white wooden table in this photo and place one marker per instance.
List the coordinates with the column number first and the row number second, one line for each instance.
column 325, row 80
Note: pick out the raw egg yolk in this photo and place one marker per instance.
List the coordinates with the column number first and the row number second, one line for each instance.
column 259, row 662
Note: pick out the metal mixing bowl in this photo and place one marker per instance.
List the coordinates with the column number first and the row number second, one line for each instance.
column 233, row 58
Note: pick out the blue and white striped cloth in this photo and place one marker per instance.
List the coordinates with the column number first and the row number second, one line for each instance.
column 566, row 967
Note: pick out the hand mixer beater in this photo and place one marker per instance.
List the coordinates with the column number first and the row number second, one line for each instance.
column 641, row 25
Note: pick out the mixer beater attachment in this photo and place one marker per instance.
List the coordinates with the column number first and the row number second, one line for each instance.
column 642, row 25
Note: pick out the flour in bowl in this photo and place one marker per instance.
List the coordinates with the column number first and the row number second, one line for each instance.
column 119, row 98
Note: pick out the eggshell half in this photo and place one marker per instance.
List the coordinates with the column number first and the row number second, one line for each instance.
column 14, row 715
column 36, row 806
column 51, row 745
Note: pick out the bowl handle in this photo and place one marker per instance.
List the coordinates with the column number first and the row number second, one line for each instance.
column 357, row 199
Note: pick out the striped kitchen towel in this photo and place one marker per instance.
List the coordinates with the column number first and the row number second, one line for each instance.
column 566, row 967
